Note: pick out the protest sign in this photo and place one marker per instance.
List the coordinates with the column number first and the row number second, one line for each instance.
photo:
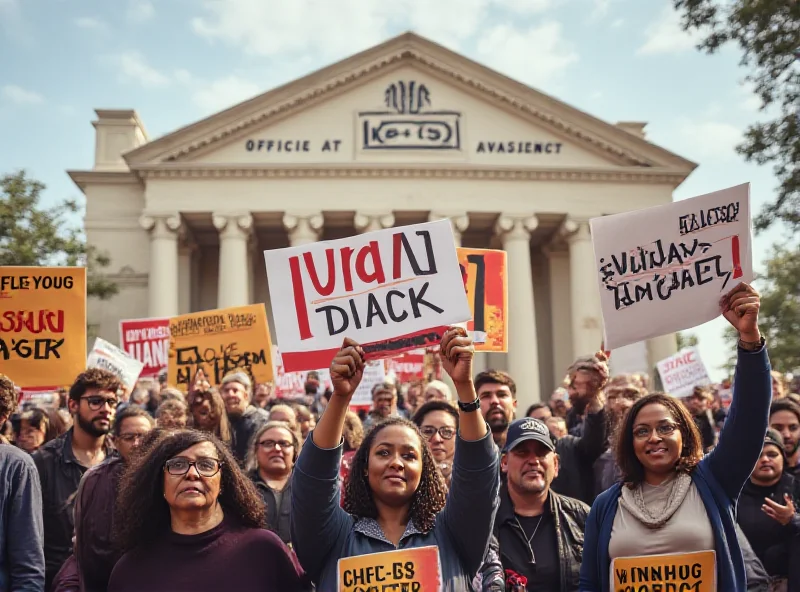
column 219, row 342
column 411, row 570
column 374, row 373
column 293, row 384
column 681, row 372
column 146, row 340
column 664, row 269
column 486, row 281
column 391, row 290
column 407, row 367
column 42, row 325
column 665, row 573
column 109, row 357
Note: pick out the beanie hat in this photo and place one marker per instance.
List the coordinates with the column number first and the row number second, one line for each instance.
column 240, row 377
column 774, row 437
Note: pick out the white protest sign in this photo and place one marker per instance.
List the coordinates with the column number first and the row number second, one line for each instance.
column 682, row 372
column 109, row 357
column 391, row 290
column 293, row 384
column 664, row 269
column 374, row 373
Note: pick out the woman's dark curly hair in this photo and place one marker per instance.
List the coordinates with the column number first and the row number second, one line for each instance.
column 691, row 453
column 427, row 501
column 142, row 514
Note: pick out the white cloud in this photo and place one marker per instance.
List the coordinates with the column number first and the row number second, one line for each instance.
column 224, row 92
column 140, row 11
column 664, row 35
column 20, row 96
column 525, row 6
column 90, row 23
column 600, row 8
column 132, row 67
column 707, row 140
column 617, row 23
column 536, row 56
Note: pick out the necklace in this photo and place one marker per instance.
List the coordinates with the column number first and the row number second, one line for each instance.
column 529, row 540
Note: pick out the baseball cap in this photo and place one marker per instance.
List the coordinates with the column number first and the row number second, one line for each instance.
column 528, row 428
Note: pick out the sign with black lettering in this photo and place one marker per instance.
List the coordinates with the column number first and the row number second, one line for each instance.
column 664, row 269
column 42, row 325
column 405, row 570
column 677, row 572
column 109, row 357
column 393, row 290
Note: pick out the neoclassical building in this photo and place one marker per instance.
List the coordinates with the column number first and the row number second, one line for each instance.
column 401, row 133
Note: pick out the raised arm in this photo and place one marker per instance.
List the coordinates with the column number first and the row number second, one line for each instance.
column 742, row 437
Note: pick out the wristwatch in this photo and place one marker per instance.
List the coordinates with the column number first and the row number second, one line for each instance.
column 467, row 407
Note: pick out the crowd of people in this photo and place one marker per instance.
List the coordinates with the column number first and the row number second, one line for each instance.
column 230, row 487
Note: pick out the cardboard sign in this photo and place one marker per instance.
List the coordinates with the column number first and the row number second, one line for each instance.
column 682, row 372
column 109, row 357
column 665, row 573
column 407, row 367
column 391, row 290
column 406, row 570
column 219, row 342
column 486, row 279
column 664, row 269
column 42, row 325
column 146, row 340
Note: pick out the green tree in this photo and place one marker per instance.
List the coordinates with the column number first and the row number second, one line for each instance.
column 34, row 235
column 779, row 317
column 685, row 340
column 768, row 34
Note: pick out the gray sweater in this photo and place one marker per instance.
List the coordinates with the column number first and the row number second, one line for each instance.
column 21, row 526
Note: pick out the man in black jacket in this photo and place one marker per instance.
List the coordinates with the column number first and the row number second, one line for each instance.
column 540, row 532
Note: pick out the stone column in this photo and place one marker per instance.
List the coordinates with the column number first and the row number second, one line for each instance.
column 234, row 234
column 162, row 285
column 458, row 220
column 303, row 228
column 587, row 320
column 185, row 255
column 659, row 348
column 369, row 222
column 523, row 353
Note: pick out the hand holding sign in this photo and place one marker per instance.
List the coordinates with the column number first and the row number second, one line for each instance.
column 740, row 307
column 457, row 353
column 347, row 369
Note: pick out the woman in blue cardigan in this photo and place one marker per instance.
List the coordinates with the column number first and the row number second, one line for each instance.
column 672, row 498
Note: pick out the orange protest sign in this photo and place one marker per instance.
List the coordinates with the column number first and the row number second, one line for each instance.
column 218, row 342
column 405, row 570
column 486, row 279
column 676, row 572
column 42, row 325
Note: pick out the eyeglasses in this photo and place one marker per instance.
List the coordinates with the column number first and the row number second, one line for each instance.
column 271, row 444
column 445, row 432
column 128, row 438
column 96, row 402
column 205, row 466
column 663, row 430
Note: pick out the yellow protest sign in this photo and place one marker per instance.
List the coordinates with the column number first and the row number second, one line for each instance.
column 405, row 570
column 677, row 572
column 485, row 276
column 42, row 325
column 218, row 342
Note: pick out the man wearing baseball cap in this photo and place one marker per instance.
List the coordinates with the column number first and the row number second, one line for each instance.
column 245, row 418
column 539, row 531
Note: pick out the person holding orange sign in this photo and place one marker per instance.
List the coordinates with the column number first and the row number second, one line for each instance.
column 671, row 520
column 395, row 497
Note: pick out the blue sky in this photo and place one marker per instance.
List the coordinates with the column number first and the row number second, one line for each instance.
column 176, row 61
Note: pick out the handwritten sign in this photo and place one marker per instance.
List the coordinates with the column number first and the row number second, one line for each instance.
column 407, row 367
column 392, row 291
column 664, row 269
column 406, row 570
column 146, row 340
column 293, row 384
column 486, row 279
column 682, row 372
column 218, row 342
column 42, row 325
column 374, row 373
column 109, row 357
column 695, row 572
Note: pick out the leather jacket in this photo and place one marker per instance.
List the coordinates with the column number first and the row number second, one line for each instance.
column 569, row 517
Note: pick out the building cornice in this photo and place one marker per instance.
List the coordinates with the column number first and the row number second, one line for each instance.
column 84, row 178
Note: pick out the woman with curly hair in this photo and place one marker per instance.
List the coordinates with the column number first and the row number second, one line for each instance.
column 395, row 496
column 187, row 518
column 672, row 499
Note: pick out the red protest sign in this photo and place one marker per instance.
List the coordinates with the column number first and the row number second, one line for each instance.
column 407, row 367
column 146, row 340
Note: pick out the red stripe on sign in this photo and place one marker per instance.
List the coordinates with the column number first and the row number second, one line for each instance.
column 737, row 263
column 316, row 359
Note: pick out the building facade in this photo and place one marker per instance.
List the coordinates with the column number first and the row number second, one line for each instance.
column 402, row 133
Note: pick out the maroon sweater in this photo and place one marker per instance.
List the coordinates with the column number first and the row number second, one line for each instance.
column 227, row 557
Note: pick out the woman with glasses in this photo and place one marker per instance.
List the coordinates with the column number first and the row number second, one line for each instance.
column 438, row 423
column 395, row 496
column 673, row 500
column 187, row 518
column 274, row 450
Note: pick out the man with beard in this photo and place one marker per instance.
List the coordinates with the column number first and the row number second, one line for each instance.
column 245, row 418
column 784, row 417
column 497, row 393
column 540, row 532
column 62, row 462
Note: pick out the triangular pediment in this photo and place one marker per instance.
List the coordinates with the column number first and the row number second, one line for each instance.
column 407, row 101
